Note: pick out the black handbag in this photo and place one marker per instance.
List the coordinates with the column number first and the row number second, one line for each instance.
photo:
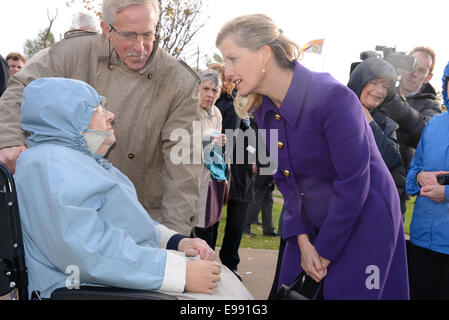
column 304, row 288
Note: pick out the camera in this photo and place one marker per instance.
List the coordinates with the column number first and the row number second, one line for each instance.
column 443, row 179
column 399, row 60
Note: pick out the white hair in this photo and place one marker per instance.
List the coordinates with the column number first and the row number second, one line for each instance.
column 83, row 21
column 112, row 7
column 212, row 76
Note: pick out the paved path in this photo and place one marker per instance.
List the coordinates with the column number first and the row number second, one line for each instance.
column 257, row 268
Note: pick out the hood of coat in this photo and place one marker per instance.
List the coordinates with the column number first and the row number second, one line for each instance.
column 445, row 80
column 58, row 111
column 372, row 68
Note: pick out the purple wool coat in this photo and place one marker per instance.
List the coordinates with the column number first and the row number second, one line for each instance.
column 337, row 189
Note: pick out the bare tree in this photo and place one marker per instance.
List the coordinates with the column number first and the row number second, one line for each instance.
column 45, row 39
column 179, row 24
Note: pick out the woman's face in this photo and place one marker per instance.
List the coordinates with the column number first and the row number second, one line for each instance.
column 102, row 120
column 242, row 66
column 209, row 94
column 374, row 93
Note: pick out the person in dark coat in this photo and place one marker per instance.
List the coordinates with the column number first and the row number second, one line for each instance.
column 4, row 75
column 241, row 194
column 414, row 103
column 225, row 102
column 263, row 202
column 373, row 81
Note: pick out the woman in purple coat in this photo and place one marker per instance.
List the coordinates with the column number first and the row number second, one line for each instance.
column 343, row 221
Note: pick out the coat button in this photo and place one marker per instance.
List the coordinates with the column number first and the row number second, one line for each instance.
column 278, row 117
column 287, row 173
column 110, row 66
column 302, row 194
column 150, row 76
column 280, row 145
column 192, row 219
column 131, row 156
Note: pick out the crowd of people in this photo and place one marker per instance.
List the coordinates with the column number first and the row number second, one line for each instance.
column 113, row 176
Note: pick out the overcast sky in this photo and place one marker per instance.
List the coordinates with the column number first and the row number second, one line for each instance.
column 348, row 26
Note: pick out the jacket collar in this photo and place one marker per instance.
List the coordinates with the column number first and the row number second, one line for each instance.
column 292, row 104
column 427, row 91
column 208, row 114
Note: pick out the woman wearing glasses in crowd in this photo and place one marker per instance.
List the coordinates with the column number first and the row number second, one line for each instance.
column 342, row 221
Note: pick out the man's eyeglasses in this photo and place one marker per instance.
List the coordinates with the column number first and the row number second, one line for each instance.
column 132, row 36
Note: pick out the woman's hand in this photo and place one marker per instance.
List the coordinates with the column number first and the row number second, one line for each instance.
column 425, row 178
column 434, row 192
column 194, row 247
column 311, row 262
column 202, row 276
column 220, row 140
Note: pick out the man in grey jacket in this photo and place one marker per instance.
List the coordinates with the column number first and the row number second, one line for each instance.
column 152, row 95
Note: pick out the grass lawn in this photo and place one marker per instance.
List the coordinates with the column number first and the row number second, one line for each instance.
column 408, row 214
column 272, row 243
column 259, row 241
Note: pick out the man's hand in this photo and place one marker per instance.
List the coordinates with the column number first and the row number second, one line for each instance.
column 9, row 156
column 194, row 247
column 425, row 178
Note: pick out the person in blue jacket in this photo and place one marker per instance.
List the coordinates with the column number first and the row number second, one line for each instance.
column 429, row 230
column 80, row 213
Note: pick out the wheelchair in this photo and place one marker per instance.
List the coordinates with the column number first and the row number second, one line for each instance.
column 13, row 269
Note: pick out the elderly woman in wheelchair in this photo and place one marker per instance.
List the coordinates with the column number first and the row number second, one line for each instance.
column 80, row 213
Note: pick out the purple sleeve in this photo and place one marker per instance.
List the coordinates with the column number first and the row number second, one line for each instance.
column 293, row 221
column 348, row 137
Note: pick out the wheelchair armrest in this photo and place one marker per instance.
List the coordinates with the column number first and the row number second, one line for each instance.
column 108, row 293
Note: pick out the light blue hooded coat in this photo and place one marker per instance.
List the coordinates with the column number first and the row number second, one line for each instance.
column 78, row 211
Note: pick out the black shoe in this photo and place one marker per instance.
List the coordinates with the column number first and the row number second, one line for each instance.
column 250, row 233
column 237, row 275
column 270, row 234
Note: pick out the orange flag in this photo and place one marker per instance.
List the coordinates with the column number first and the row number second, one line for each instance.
column 314, row 46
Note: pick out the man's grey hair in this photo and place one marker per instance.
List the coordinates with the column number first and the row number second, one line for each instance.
column 83, row 21
column 112, row 7
column 211, row 75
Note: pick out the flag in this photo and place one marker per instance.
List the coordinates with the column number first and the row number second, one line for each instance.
column 314, row 46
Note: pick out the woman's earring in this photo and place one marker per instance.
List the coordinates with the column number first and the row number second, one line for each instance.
column 264, row 70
